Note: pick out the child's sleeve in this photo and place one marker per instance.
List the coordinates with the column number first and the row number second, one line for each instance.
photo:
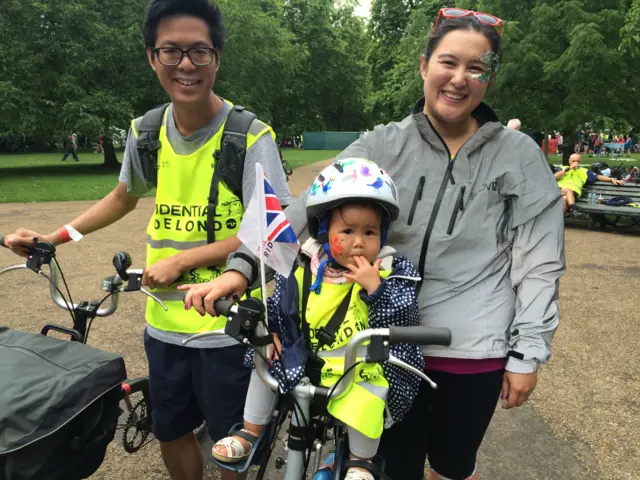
column 395, row 302
column 282, row 310
column 274, row 317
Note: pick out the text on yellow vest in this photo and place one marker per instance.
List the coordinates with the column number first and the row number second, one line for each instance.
column 179, row 222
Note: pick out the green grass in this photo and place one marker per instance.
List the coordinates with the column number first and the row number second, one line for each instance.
column 44, row 178
column 587, row 160
column 297, row 158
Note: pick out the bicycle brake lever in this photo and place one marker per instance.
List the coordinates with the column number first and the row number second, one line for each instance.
column 198, row 336
column 396, row 361
column 154, row 298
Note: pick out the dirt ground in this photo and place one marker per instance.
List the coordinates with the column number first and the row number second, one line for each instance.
column 581, row 422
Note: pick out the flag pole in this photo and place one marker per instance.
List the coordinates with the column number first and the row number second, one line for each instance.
column 263, row 230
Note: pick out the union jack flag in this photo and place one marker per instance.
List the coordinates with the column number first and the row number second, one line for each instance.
column 278, row 228
column 265, row 229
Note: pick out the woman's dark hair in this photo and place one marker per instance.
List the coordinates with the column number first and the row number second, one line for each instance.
column 470, row 22
column 209, row 12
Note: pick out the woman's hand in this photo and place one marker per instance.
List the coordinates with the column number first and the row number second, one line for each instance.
column 201, row 296
column 365, row 274
column 516, row 388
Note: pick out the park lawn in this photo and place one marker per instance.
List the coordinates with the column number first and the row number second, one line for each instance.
column 298, row 158
column 587, row 160
column 44, row 178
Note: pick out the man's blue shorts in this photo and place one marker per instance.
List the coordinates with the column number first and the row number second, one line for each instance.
column 189, row 385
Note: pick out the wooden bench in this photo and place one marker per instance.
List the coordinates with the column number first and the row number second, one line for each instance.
column 609, row 216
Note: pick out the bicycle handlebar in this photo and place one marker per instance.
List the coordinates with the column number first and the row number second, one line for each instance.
column 415, row 335
column 44, row 254
column 420, row 335
column 2, row 241
column 107, row 286
column 225, row 307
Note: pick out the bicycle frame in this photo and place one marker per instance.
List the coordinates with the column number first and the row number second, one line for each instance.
column 244, row 325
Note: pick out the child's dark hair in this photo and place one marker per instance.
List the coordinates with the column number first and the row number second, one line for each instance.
column 209, row 12
column 470, row 22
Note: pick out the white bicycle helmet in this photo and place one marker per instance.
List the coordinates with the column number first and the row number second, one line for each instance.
column 346, row 180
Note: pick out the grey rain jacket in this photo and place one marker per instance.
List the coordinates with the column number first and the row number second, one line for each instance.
column 485, row 230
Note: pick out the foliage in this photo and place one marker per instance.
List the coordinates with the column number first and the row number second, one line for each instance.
column 305, row 65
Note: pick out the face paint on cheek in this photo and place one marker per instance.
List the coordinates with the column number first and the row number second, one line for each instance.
column 491, row 60
column 336, row 246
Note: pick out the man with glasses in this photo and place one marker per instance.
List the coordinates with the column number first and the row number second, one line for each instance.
column 207, row 379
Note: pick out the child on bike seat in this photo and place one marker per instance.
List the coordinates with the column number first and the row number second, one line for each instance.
column 346, row 280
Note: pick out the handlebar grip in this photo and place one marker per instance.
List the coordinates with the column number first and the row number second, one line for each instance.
column 223, row 307
column 2, row 242
column 420, row 335
column 122, row 261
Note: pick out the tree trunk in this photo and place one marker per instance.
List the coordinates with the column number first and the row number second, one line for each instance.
column 570, row 140
column 110, row 159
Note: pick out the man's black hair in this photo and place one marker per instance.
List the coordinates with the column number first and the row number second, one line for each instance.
column 206, row 10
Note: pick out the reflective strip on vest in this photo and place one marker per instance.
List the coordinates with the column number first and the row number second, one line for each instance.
column 362, row 407
column 339, row 352
column 174, row 244
column 179, row 223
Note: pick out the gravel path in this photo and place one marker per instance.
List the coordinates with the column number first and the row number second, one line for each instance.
column 582, row 420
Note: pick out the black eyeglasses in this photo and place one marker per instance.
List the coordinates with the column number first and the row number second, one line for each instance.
column 172, row 56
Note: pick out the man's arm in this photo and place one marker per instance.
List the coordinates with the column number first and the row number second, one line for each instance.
column 560, row 174
column 107, row 211
column 604, row 178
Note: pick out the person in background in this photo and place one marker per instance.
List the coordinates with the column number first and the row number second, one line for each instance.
column 514, row 124
column 574, row 177
column 71, row 147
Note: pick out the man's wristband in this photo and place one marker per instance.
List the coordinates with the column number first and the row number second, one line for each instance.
column 68, row 233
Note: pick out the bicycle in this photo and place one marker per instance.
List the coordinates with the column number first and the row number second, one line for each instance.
column 137, row 428
column 285, row 165
column 310, row 421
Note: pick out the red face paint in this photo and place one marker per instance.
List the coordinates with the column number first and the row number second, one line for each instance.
column 336, row 246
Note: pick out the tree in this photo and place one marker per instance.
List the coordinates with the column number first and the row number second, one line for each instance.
column 73, row 66
column 330, row 87
column 388, row 27
column 260, row 57
column 563, row 67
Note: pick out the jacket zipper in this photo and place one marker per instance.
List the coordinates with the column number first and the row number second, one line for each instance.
column 459, row 207
column 436, row 206
column 416, row 198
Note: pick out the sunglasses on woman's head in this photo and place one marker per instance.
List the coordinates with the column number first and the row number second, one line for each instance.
column 485, row 18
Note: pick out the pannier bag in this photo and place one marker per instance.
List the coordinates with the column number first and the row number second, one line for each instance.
column 59, row 406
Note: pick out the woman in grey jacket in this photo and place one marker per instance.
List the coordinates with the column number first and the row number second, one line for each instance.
column 481, row 217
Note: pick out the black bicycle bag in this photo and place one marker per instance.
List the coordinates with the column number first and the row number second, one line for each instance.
column 59, row 406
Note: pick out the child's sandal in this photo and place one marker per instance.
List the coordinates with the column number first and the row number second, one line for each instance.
column 358, row 474
column 235, row 449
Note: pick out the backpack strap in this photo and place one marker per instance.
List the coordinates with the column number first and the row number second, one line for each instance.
column 325, row 335
column 229, row 159
column 148, row 142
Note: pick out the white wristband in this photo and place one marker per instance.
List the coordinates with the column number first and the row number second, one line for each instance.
column 75, row 235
